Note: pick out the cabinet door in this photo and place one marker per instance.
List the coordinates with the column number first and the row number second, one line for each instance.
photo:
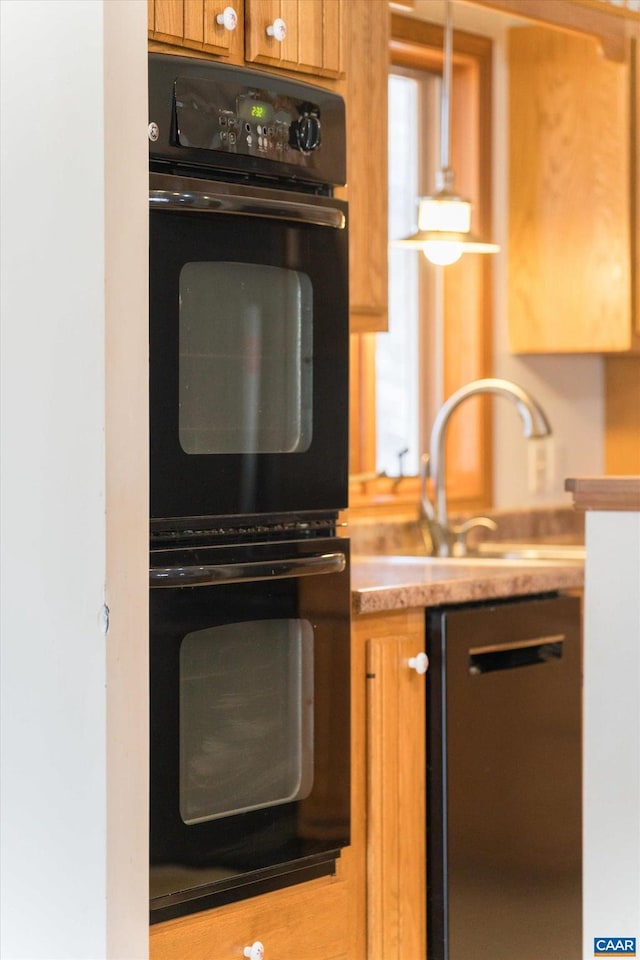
column 203, row 31
column 569, row 195
column 310, row 40
column 193, row 24
column 168, row 21
column 367, row 62
column 396, row 824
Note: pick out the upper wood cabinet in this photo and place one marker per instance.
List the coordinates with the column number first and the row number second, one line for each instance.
column 300, row 35
column 311, row 36
column 570, row 196
column 194, row 24
column 367, row 25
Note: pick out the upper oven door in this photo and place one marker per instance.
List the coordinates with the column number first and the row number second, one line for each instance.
column 248, row 350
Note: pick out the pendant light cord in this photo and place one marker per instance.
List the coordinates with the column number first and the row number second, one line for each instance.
column 445, row 101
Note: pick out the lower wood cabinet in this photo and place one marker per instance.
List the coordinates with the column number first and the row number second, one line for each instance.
column 395, row 763
column 314, row 921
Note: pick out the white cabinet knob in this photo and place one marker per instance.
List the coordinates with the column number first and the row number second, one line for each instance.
column 255, row 951
column 228, row 18
column 277, row 30
column 420, row 663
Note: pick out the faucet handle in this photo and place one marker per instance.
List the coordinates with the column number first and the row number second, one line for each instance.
column 460, row 533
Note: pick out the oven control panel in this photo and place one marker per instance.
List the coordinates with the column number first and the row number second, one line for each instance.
column 218, row 116
column 256, row 127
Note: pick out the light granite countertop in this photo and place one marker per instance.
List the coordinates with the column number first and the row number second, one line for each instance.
column 382, row 583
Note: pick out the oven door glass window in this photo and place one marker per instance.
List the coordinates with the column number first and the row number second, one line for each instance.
column 245, row 359
column 246, row 717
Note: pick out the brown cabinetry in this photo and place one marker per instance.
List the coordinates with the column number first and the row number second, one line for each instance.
column 312, row 41
column 395, row 764
column 570, row 196
column 300, row 35
column 194, row 25
column 310, row 921
column 367, row 24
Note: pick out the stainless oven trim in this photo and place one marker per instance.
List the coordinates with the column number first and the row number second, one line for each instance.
column 212, row 574
column 204, row 196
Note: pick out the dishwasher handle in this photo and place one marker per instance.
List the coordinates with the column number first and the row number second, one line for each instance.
column 521, row 653
column 213, row 574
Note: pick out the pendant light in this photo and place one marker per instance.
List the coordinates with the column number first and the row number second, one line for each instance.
column 444, row 218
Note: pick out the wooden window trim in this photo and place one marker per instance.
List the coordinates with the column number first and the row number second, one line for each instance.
column 417, row 43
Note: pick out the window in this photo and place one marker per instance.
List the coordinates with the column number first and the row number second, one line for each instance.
column 406, row 380
column 439, row 318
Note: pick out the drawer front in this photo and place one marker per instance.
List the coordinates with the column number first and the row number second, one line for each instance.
column 310, row 921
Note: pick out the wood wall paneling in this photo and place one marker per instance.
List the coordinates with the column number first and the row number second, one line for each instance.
column 622, row 405
column 591, row 17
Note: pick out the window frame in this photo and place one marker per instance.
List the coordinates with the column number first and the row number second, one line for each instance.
column 419, row 44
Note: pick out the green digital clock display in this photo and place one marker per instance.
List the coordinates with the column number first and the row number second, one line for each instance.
column 256, row 110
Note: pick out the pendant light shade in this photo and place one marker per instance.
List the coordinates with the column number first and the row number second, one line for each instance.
column 444, row 217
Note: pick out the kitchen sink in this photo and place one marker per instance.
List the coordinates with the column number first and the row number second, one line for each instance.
column 561, row 552
column 489, row 552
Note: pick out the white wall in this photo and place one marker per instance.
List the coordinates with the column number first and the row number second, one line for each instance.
column 59, row 837
column 127, row 536
column 569, row 388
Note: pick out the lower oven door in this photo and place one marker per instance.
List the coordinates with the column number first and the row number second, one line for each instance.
column 250, row 743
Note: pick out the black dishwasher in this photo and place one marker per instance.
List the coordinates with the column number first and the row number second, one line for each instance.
column 504, row 780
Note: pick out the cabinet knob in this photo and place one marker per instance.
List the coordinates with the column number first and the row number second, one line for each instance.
column 277, row 29
column 419, row 663
column 228, row 18
column 255, row 951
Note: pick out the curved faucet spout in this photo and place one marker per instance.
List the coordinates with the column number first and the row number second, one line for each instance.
column 533, row 418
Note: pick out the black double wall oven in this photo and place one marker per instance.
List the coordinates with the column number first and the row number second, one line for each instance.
column 249, row 582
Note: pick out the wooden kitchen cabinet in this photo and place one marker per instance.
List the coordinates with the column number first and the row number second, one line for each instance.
column 367, row 26
column 312, row 920
column 395, row 764
column 570, row 196
column 313, row 41
column 193, row 24
column 312, row 44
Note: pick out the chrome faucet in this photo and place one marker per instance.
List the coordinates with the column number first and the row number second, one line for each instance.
column 446, row 540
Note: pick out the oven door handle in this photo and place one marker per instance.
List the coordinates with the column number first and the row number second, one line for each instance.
column 247, row 206
column 210, row 575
